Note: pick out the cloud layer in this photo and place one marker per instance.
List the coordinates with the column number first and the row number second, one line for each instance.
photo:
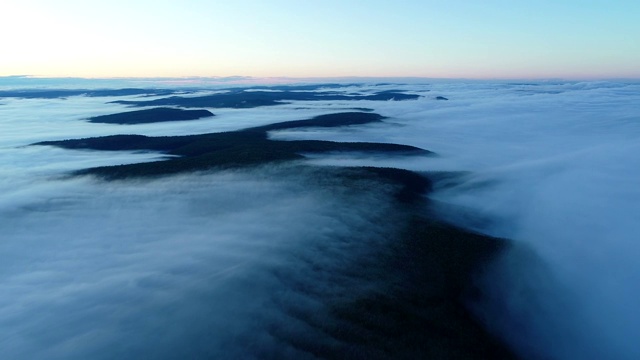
column 179, row 267
column 553, row 166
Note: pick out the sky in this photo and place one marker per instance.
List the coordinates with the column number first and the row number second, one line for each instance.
column 570, row 39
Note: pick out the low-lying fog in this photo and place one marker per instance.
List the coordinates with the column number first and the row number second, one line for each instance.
column 182, row 267
column 553, row 166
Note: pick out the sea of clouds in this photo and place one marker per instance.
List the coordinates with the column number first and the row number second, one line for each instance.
column 556, row 168
column 183, row 267
column 87, row 266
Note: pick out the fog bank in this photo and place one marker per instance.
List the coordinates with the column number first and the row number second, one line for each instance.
column 553, row 166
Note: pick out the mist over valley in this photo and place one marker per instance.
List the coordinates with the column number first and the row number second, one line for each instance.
column 448, row 219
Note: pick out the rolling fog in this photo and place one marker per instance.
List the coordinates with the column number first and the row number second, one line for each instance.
column 189, row 266
column 86, row 266
column 554, row 167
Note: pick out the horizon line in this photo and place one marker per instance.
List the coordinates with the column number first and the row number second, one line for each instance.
column 240, row 78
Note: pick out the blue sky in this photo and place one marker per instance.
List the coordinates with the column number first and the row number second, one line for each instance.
column 322, row 38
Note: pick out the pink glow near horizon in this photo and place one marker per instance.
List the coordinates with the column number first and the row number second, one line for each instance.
column 285, row 38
